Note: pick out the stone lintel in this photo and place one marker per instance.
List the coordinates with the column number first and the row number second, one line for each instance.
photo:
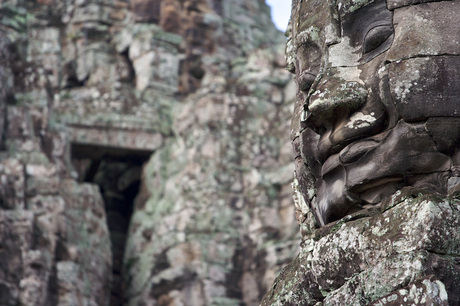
column 117, row 138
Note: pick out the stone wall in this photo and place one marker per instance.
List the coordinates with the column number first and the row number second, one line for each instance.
column 90, row 90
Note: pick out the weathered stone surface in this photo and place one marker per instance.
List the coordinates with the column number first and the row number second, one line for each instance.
column 409, row 80
column 427, row 31
column 12, row 180
column 146, row 10
column 6, row 76
column 90, row 89
column 48, row 219
column 16, row 241
column 247, row 201
column 425, row 291
column 116, row 137
column 392, row 4
column 356, row 262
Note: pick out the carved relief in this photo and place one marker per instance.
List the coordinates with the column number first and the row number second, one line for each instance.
column 378, row 101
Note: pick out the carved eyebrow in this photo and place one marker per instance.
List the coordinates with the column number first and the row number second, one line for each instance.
column 352, row 6
column 376, row 36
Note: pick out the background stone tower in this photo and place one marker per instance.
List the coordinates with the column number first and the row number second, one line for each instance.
column 145, row 157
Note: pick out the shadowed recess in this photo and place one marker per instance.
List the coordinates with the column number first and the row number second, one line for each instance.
column 117, row 172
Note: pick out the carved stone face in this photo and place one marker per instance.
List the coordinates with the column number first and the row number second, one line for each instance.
column 378, row 100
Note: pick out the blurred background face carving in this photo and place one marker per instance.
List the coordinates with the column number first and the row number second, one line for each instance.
column 378, row 100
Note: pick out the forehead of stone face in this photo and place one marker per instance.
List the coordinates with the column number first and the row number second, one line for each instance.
column 314, row 21
column 363, row 23
column 349, row 6
column 426, row 29
column 358, row 19
column 393, row 4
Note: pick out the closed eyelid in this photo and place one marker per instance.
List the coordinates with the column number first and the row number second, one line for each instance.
column 380, row 27
column 376, row 37
column 306, row 80
column 358, row 24
column 305, row 39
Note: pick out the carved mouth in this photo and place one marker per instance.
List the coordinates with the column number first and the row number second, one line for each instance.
column 376, row 191
column 350, row 154
column 368, row 191
column 378, row 183
column 354, row 151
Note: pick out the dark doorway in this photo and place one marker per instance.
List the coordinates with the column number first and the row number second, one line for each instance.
column 118, row 174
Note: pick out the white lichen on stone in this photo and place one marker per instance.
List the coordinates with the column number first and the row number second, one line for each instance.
column 353, row 5
column 307, row 36
column 360, row 120
column 402, row 87
column 350, row 74
column 379, row 231
column 442, row 290
column 343, row 54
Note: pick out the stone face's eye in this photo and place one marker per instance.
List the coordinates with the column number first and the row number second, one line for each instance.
column 376, row 37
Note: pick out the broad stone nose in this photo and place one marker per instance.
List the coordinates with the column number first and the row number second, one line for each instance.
column 335, row 97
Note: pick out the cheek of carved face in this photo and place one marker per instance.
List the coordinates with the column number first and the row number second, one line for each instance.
column 425, row 66
column 424, row 87
column 424, row 73
column 420, row 147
